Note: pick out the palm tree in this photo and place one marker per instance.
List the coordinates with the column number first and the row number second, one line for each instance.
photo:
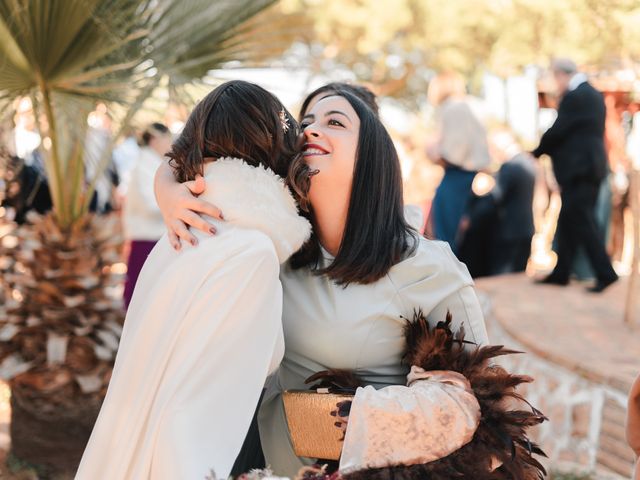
column 59, row 328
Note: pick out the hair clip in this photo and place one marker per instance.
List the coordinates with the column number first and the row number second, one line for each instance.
column 284, row 120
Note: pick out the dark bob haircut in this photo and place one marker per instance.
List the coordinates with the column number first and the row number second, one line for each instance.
column 360, row 91
column 241, row 120
column 376, row 235
column 154, row 130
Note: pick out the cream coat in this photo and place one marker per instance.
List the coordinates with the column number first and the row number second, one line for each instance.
column 201, row 335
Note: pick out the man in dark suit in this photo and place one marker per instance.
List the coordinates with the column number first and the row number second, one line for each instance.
column 516, row 182
column 575, row 143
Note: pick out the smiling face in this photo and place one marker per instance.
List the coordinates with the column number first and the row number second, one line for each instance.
column 331, row 129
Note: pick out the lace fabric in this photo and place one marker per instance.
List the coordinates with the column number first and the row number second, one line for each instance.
column 434, row 416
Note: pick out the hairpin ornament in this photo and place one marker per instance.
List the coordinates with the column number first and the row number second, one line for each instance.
column 284, row 120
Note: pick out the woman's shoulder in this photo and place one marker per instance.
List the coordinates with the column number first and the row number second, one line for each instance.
column 255, row 197
column 247, row 190
column 432, row 261
column 238, row 170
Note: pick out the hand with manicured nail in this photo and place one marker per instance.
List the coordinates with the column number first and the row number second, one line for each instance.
column 342, row 415
column 180, row 207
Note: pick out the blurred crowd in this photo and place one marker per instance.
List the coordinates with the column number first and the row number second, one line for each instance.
column 483, row 207
column 125, row 187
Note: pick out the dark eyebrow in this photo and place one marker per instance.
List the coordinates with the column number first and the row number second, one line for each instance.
column 308, row 115
column 338, row 112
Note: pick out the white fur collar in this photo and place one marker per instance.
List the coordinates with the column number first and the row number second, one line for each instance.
column 255, row 197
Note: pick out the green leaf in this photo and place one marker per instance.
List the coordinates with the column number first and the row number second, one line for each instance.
column 75, row 53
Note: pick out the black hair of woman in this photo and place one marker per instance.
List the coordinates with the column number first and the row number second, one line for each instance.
column 156, row 129
column 377, row 235
column 360, row 91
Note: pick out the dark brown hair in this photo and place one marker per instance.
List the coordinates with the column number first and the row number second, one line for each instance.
column 360, row 91
column 154, row 130
column 376, row 235
column 241, row 120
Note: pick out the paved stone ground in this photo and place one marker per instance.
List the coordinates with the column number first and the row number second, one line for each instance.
column 581, row 331
column 583, row 359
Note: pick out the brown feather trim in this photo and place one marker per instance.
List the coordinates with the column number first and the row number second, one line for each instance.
column 335, row 378
column 502, row 433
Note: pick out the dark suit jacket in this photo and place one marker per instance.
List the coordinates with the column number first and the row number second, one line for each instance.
column 503, row 216
column 575, row 142
column 515, row 184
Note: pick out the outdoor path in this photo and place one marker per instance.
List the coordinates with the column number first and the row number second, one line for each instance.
column 580, row 331
column 567, row 326
column 584, row 359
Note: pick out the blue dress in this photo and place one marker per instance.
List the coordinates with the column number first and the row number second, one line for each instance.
column 450, row 202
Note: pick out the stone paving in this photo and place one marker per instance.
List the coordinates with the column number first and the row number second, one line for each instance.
column 582, row 355
column 581, row 331
column 583, row 359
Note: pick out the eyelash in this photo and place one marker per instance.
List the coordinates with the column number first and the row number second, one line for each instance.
column 331, row 122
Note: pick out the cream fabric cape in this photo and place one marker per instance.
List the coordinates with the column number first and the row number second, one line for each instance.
column 202, row 333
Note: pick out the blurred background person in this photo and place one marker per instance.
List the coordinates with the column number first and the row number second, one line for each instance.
column 27, row 186
column 514, row 191
column 612, row 196
column 97, row 141
column 143, row 225
column 26, row 138
column 125, row 155
column 620, row 165
column 497, row 228
column 460, row 148
column 575, row 143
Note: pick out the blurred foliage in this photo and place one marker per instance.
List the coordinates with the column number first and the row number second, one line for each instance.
column 396, row 45
column 68, row 55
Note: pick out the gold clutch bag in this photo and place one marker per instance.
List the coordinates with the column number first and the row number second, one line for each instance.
column 312, row 428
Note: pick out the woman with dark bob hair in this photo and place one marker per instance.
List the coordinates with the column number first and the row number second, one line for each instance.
column 203, row 318
column 349, row 289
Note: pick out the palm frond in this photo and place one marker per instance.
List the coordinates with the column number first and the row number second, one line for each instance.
column 75, row 53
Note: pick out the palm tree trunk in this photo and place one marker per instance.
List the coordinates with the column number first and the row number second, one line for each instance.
column 50, row 435
column 64, row 334
column 52, row 159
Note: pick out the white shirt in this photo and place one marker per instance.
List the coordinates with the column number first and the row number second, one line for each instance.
column 142, row 217
column 463, row 138
column 577, row 80
column 125, row 157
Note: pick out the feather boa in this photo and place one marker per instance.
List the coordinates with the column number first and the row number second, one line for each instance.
column 501, row 438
